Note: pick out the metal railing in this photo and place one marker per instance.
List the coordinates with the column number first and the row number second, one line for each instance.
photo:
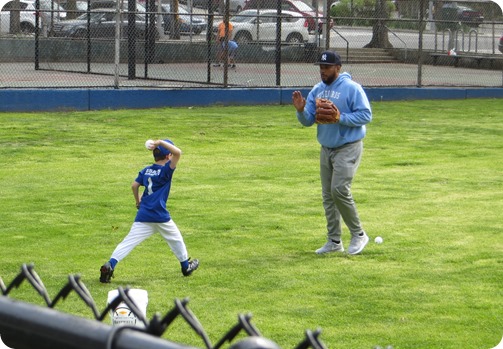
column 346, row 40
column 403, row 42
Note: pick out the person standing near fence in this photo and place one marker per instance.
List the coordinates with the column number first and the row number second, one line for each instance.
column 224, row 34
column 232, row 48
column 341, row 148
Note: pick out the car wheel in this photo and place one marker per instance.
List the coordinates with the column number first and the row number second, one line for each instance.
column 295, row 38
column 242, row 37
column 239, row 9
column 27, row 28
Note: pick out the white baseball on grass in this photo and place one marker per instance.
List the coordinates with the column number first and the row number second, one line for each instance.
column 149, row 144
column 378, row 240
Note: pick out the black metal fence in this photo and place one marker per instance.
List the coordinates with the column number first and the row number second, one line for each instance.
column 173, row 45
column 28, row 326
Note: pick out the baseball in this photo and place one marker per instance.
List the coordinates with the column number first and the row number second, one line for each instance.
column 378, row 240
column 149, row 144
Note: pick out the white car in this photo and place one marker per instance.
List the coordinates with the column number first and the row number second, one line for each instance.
column 260, row 25
column 49, row 12
column 26, row 17
column 49, row 9
column 217, row 5
column 236, row 5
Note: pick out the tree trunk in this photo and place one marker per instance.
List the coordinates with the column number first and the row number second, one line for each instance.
column 175, row 21
column 379, row 31
column 71, row 8
column 15, row 16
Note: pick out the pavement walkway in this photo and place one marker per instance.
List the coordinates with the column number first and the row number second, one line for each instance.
column 179, row 76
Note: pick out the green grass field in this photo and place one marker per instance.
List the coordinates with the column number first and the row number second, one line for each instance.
column 246, row 196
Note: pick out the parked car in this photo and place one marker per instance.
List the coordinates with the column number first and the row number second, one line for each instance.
column 53, row 9
column 500, row 45
column 204, row 4
column 260, row 25
column 188, row 23
column 235, row 6
column 451, row 11
column 111, row 4
column 49, row 12
column 80, row 6
column 298, row 6
column 102, row 25
column 26, row 17
column 218, row 5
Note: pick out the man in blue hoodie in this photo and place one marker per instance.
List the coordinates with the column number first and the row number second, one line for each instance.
column 341, row 149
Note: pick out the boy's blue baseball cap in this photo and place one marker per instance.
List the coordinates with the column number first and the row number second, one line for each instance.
column 163, row 150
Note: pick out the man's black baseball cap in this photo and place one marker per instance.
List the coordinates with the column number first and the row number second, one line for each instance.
column 330, row 58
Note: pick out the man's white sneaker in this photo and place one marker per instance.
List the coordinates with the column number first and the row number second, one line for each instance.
column 330, row 246
column 358, row 243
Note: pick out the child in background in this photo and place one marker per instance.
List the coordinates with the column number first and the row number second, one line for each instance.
column 231, row 50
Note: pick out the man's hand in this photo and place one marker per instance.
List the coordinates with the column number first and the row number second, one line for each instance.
column 299, row 102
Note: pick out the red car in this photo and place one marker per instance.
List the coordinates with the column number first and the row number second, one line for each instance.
column 291, row 5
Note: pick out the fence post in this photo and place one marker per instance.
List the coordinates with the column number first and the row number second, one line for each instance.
column 420, row 45
column 131, row 39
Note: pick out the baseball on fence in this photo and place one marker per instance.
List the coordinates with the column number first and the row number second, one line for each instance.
column 149, row 144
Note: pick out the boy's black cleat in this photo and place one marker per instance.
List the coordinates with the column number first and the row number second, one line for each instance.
column 106, row 273
column 193, row 265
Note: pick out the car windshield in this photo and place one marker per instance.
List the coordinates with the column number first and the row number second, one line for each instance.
column 181, row 9
column 244, row 16
column 95, row 16
column 47, row 5
column 98, row 15
column 12, row 4
column 302, row 6
column 139, row 7
column 81, row 5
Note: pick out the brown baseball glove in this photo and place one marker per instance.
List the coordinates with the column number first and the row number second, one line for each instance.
column 326, row 112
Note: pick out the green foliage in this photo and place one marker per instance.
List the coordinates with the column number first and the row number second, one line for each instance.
column 246, row 196
column 357, row 12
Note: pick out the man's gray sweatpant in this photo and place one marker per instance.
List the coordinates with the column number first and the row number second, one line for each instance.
column 337, row 168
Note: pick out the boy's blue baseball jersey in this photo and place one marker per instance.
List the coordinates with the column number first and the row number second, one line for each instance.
column 157, row 182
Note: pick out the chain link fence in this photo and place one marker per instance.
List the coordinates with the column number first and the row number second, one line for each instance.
column 110, row 44
column 27, row 326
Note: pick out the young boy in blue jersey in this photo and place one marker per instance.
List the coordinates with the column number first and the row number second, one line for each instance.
column 152, row 215
column 341, row 149
column 231, row 49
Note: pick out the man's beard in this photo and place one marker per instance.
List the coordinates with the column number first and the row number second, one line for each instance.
column 328, row 80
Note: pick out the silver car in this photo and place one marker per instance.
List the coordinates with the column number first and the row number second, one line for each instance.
column 188, row 23
column 260, row 25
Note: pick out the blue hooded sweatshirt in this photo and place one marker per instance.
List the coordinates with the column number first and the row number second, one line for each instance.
column 353, row 105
